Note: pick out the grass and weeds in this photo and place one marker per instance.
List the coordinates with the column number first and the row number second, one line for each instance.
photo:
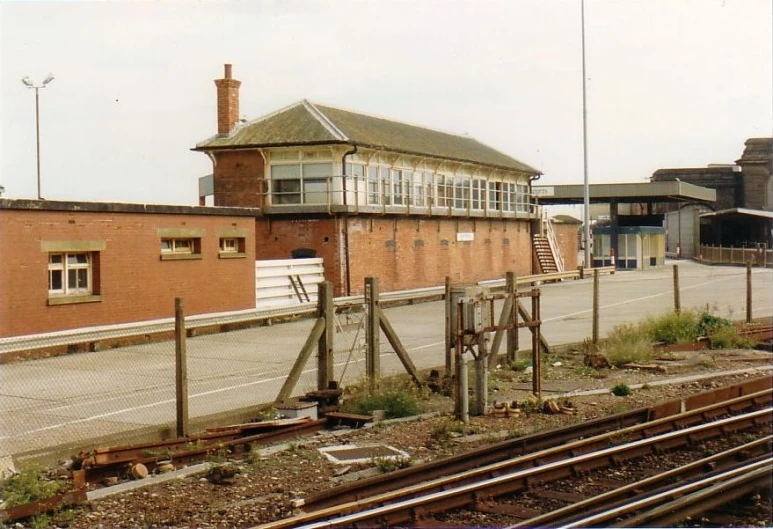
column 445, row 430
column 397, row 401
column 627, row 343
column 519, row 365
column 632, row 343
column 30, row 484
column 621, row 390
column 390, row 464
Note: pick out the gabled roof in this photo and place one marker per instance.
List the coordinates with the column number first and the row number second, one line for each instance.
column 306, row 123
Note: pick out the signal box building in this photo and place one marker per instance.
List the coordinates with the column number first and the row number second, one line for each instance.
column 406, row 204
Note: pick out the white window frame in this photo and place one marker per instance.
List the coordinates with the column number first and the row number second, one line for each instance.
column 64, row 269
column 170, row 245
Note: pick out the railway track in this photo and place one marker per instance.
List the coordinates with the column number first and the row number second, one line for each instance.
column 467, row 479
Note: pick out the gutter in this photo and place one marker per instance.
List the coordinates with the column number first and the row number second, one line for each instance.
column 347, row 261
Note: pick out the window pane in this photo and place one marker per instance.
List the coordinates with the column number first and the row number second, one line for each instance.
column 315, row 191
column 55, row 280
column 286, row 192
column 55, row 258
column 166, row 245
column 316, row 170
column 279, row 172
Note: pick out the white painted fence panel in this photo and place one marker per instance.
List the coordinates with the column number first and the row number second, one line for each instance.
column 273, row 287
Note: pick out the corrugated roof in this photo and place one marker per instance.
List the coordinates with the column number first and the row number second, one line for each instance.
column 306, row 123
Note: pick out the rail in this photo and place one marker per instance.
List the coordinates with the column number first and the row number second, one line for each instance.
column 93, row 336
column 451, row 493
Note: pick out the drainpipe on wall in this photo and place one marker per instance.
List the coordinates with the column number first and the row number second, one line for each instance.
column 346, row 222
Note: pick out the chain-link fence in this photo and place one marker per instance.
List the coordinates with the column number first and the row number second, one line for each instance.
column 70, row 400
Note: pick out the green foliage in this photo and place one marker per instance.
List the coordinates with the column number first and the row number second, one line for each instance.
column 390, row 464
column 722, row 337
column 673, row 327
column 621, row 390
column 31, row 484
column 395, row 402
column 709, row 323
column 267, row 414
column 520, row 365
column 627, row 343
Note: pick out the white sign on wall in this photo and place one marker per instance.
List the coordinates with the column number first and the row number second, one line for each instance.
column 543, row 191
column 465, row 236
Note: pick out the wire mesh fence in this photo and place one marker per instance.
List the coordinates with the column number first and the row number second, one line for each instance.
column 72, row 399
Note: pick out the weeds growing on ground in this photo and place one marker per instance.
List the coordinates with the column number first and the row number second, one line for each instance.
column 30, row 484
column 520, row 365
column 627, row 343
column 621, row 390
column 396, row 402
column 390, row 464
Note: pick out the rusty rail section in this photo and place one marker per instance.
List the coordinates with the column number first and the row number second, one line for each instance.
column 516, row 454
column 406, row 506
column 523, row 445
column 609, row 505
column 95, row 466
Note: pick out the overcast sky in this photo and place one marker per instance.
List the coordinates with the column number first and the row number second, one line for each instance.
column 671, row 83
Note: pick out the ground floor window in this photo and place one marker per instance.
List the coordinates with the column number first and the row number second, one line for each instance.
column 232, row 247
column 70, row 274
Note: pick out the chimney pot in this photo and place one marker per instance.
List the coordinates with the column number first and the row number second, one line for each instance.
column 228, row 71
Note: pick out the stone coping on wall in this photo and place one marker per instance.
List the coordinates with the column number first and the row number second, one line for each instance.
column 124, row 207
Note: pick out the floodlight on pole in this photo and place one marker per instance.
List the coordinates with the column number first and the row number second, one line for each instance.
column 29, row 83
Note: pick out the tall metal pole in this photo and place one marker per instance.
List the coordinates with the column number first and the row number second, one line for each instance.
column 586, row 188
column 37, row 134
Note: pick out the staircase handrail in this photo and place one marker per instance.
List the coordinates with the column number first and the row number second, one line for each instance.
column 553, row 242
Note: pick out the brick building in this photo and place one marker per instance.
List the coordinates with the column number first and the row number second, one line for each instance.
column 79, row 264
column 371, row 196
column 741, row 215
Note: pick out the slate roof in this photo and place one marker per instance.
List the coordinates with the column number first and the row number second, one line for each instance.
column 306, row 123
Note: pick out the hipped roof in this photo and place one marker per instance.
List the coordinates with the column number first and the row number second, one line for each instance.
column 306, row 123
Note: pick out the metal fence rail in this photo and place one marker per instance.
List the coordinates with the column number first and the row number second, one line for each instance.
column 93, row 338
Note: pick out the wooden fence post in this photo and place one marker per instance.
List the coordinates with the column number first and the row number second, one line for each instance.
column 595, row 306
column 512, row 334
column 536, row 357
column 373, row 332
column 181, row 369
column 325, row 372
column 450, row 331
column 748, row 292
column 677, row 302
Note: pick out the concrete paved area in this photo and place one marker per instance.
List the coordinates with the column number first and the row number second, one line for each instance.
column 72, row 399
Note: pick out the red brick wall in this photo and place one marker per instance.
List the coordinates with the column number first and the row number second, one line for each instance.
column 566, row 235
column 277, row 238
column 238, row 179
column 403, row 252
column 135, row 284
column 409, row 253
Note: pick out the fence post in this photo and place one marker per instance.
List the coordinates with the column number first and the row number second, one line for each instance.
column 536, row 357
column 512, row 334
column 181, row 369
column 481, row 377
column 677, row 302
column 325, row 345
column 595, row 306
column 748, row 292
column 450, row 332
column 373, row 332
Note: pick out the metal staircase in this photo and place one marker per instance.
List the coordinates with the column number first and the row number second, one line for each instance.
column 546, row 248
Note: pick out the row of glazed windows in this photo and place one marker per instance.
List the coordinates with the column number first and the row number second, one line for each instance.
column 379, row 185
column 72, row 274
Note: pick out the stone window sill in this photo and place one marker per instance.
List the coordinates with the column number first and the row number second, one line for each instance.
column 71, row 300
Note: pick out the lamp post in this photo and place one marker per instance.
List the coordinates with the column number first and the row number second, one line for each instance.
column 586, row 187
column 29, row 83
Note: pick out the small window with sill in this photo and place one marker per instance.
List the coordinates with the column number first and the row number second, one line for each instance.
column 232, row 247
column 73, row 277
column 182, row 248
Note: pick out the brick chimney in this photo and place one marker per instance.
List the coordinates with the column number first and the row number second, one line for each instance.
column 227, row 102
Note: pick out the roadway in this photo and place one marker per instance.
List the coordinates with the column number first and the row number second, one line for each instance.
column 68, row 401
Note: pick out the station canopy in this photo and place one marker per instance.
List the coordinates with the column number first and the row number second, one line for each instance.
column 626, row 193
